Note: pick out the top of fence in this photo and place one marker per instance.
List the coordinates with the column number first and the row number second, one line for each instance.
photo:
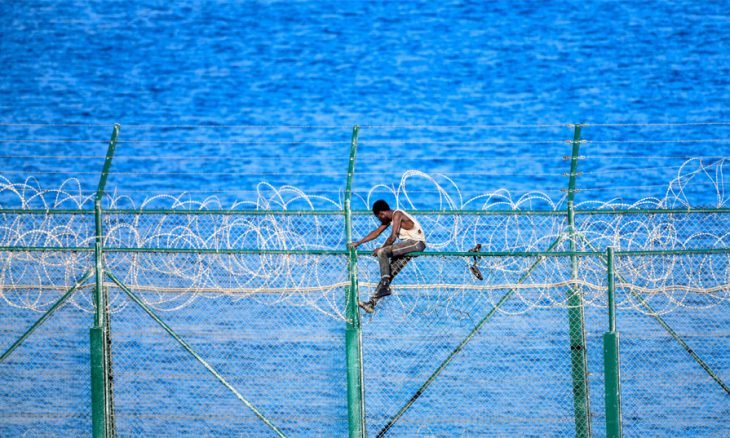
column 488, row 167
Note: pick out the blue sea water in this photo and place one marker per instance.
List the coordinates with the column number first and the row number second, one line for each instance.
column 215, row 97
column 347, row 62
column 337, row 64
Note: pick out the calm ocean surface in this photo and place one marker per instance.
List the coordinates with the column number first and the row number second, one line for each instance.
column 217, row 97
column 369, row 63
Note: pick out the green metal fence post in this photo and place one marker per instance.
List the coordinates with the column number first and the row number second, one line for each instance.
column 101, row 402
column 353, row 335
column 576, row 317
column 97, row 342
column 611, row 367
column 111, row 425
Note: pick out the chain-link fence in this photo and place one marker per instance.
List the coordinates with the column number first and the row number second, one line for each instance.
column 45, row 373
column 207, row 335
column 137, row 311
column 673, row 321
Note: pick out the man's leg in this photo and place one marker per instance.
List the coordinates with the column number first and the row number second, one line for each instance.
column 407, row 246
column 397, row 264
column 384, row 255
column 382, row 289
column 392, row 260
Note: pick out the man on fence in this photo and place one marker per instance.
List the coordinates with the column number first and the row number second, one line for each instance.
column 392, row 256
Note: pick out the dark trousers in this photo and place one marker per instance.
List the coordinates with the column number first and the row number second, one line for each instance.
column 393, row 258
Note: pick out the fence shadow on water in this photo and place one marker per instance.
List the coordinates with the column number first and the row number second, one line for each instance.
column 590, row 319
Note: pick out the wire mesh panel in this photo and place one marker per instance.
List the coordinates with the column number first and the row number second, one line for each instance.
column 160, row 389
column 266, row 231
column 231, row 321
column 642, row 231
column 44, row 374
column 596, row 322
column 675, row 344
column 277, row 339
column 491, row 356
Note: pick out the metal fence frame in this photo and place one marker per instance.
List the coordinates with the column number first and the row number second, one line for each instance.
column 101, row 369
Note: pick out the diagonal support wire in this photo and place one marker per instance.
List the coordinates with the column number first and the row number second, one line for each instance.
column 667, row 327
column 190, row 350
column 61, row 301
column 466, row 340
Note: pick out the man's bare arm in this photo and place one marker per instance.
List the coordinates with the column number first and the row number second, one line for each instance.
column 397, row 220
column 371, row 236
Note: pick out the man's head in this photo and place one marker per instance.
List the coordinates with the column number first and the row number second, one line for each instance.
column 381, row 209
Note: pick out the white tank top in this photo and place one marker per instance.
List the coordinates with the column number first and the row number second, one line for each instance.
column 415, row 233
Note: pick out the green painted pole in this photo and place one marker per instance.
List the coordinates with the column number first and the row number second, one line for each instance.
column 100, row 355
column 463, row 343
column 192, row 352
column 107, row 162
column 576, row 317
column 98, row 259
column 611, row 289
column 109, row 377
column 98, row 400
column 611, row 365
column 574, row 157
column 353, row 333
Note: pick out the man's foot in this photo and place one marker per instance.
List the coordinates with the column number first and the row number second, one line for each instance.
column 368, row 307
column 477, row 273
column 474, row 268
column 382, row 292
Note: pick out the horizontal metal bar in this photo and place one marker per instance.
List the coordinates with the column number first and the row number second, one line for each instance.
column 300, row 252
column 230, row 212
column 476, row 212
column 497, row 254
column 698, row 251
column 46, row 249
column 663, row 252
column 339, row 212
column 655, row 211
column 30, row 211
column 21, row 211
column 230, row 251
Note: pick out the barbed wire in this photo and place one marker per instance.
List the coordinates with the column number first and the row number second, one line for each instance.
column 170, row 281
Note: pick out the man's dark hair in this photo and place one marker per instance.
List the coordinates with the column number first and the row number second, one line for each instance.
column 379, row 206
